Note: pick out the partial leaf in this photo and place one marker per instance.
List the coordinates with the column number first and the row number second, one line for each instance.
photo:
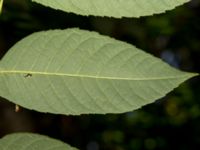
column 113, row 8
column 79, row 72
column 29, row 141
column 1, row 5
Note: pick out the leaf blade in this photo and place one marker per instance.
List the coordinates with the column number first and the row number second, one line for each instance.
column 78, row 72
column 1, row 5
column 30, row 141
column 113, row 8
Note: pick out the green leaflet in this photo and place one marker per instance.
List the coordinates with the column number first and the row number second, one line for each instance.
column 28, row 141
column 1, row 5
column 80, row 72
column 113, row 8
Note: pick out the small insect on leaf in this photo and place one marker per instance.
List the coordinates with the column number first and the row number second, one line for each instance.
column 1, row 5
column 28, row 75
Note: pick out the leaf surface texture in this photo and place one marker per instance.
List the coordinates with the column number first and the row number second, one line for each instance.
column 79, row 72
column 113, row 8
column 29, row 141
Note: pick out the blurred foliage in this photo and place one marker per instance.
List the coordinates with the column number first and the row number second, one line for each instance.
column 170, row 123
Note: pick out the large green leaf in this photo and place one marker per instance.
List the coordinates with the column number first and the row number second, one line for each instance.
column 113, row 8
column 76, row 72
column 29, row 141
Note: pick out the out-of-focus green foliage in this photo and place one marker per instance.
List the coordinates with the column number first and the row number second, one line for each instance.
column 173, row 123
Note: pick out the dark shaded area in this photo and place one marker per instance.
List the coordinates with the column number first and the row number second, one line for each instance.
column 170, row 123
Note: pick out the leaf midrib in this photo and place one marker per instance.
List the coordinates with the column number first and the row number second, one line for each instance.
column 94, row 77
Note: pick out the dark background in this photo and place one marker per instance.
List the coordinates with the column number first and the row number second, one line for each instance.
column 171, row 123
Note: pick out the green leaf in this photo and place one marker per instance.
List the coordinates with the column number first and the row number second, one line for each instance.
column 1, row 5
column 79, row 72
column 29, row 141
column 113, row 8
